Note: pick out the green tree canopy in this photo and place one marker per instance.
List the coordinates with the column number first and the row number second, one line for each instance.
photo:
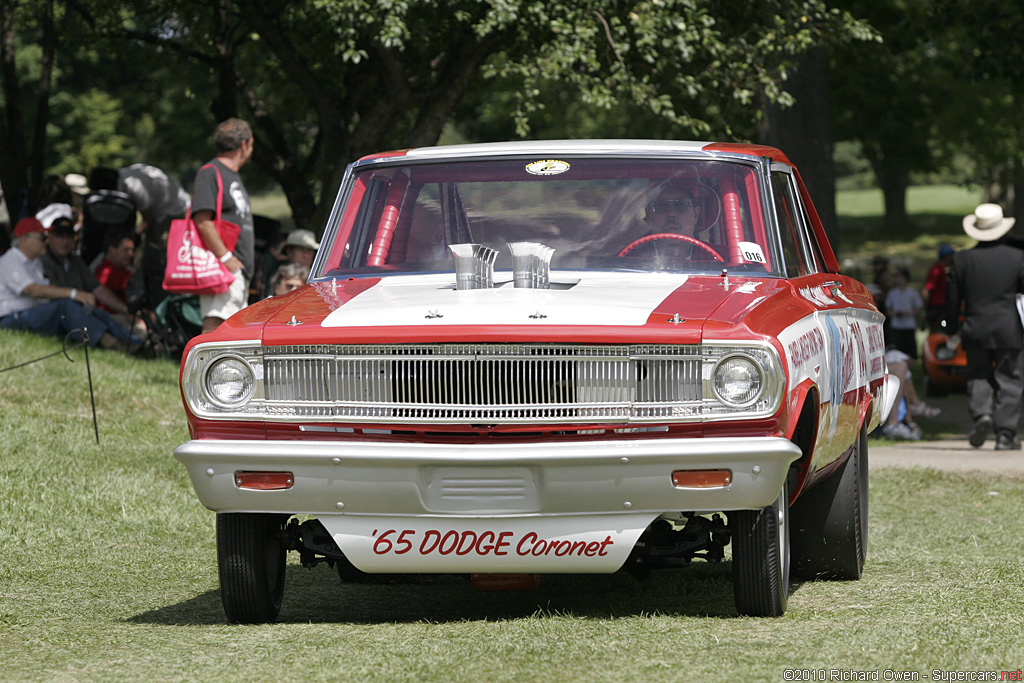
column 325, row 81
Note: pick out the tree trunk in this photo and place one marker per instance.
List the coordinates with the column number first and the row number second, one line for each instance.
column 803, row 132
column 13, row 152
column 894, row 184
column 1017, row 196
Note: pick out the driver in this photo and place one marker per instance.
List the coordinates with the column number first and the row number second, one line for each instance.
column 671, row 210
column 674, row 210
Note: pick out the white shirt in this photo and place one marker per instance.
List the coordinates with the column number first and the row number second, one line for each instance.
column 900, row 305
column 17, row 272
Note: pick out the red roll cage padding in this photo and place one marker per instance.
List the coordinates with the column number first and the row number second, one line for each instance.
column 388, row 221
column 733, row 220
column 757, row 218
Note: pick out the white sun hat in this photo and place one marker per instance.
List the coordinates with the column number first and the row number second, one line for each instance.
column 987, row 223
column 302, row 238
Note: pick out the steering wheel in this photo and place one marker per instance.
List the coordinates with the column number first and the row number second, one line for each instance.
column 671, row 236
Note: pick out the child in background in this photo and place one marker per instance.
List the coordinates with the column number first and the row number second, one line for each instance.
column 902, row 306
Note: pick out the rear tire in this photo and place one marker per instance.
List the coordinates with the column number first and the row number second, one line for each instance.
column 760, row 558
column 251, row 559
column 830, row 522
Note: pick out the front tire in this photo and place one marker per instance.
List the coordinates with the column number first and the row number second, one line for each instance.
column 251, row 560
column 830, row 522
column 760, row 558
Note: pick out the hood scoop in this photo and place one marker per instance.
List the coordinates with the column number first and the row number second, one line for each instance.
column 474, row 265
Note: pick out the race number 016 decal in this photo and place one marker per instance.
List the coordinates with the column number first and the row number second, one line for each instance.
column 752, row 252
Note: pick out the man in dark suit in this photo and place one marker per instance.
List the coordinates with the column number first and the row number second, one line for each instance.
column 986, row 279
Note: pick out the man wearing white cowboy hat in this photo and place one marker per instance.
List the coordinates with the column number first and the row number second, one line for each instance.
column 986, row 280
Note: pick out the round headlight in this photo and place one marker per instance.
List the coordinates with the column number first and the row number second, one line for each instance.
column 738, row 380
column 229, row 382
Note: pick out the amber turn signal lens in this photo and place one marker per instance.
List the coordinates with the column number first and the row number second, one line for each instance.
column 701, row 479
column 264, row 481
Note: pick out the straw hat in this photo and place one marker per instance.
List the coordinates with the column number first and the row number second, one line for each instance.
column 987, row 224
column 77, row 183
column 302, row 238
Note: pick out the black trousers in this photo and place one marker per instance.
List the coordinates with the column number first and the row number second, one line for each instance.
column 995, row 381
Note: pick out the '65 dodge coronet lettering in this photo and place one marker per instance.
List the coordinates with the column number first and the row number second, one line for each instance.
column 577, row 356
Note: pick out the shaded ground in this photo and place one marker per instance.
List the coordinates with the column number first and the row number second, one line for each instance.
column 947, row 448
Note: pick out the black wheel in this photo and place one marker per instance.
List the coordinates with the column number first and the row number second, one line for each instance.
column 251, row 558
column 830, row 522
column 760, row 558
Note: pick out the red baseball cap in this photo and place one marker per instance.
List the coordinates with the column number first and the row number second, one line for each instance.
column 27, row 225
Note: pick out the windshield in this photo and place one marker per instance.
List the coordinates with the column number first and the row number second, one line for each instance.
column 606, row 214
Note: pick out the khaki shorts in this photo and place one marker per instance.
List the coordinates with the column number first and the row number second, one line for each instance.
column 226, row 304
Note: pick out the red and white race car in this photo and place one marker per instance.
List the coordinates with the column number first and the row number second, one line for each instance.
column 560, row 356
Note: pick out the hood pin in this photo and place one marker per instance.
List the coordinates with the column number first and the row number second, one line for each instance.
column 433, row 314
column 537, row 316
column 293, row 321
column 675, row 319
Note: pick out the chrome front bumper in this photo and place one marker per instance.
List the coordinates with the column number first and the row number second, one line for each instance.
column 489, row 480
column 409, row 507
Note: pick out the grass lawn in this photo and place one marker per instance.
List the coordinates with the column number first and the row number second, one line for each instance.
column 935, row 216
column 274, row 205
column 109, row 573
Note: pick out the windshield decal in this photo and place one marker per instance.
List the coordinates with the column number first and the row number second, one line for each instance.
column 547, row 167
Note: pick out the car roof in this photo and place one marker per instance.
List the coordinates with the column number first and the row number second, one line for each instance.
column 586, row 147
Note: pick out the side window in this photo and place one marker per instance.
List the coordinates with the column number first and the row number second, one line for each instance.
column 787, row 210
column 814, row 256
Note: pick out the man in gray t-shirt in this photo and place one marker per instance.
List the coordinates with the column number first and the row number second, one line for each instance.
column 234, row 143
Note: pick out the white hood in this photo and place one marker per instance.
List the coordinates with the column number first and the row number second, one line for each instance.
column 574, row 299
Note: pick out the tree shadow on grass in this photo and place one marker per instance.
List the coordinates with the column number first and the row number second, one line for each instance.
column 319, row 596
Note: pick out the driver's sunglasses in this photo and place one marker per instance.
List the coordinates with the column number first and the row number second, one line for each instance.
column 677, row 206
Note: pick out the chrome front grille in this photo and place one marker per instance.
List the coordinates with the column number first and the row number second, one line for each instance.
column 483, row 383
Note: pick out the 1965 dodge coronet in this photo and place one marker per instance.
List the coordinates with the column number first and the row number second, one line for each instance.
column 562, row 356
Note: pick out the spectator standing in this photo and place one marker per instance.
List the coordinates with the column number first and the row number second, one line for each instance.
column 234, row 145
column 986, row 279
column 159, row 199
column 29, row 302
column 934, row 291
column 902, row 306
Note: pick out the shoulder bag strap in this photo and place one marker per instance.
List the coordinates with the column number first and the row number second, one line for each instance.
column 220, row 189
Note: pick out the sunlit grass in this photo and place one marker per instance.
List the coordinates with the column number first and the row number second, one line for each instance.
column 920, row 199
column 109, row 574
